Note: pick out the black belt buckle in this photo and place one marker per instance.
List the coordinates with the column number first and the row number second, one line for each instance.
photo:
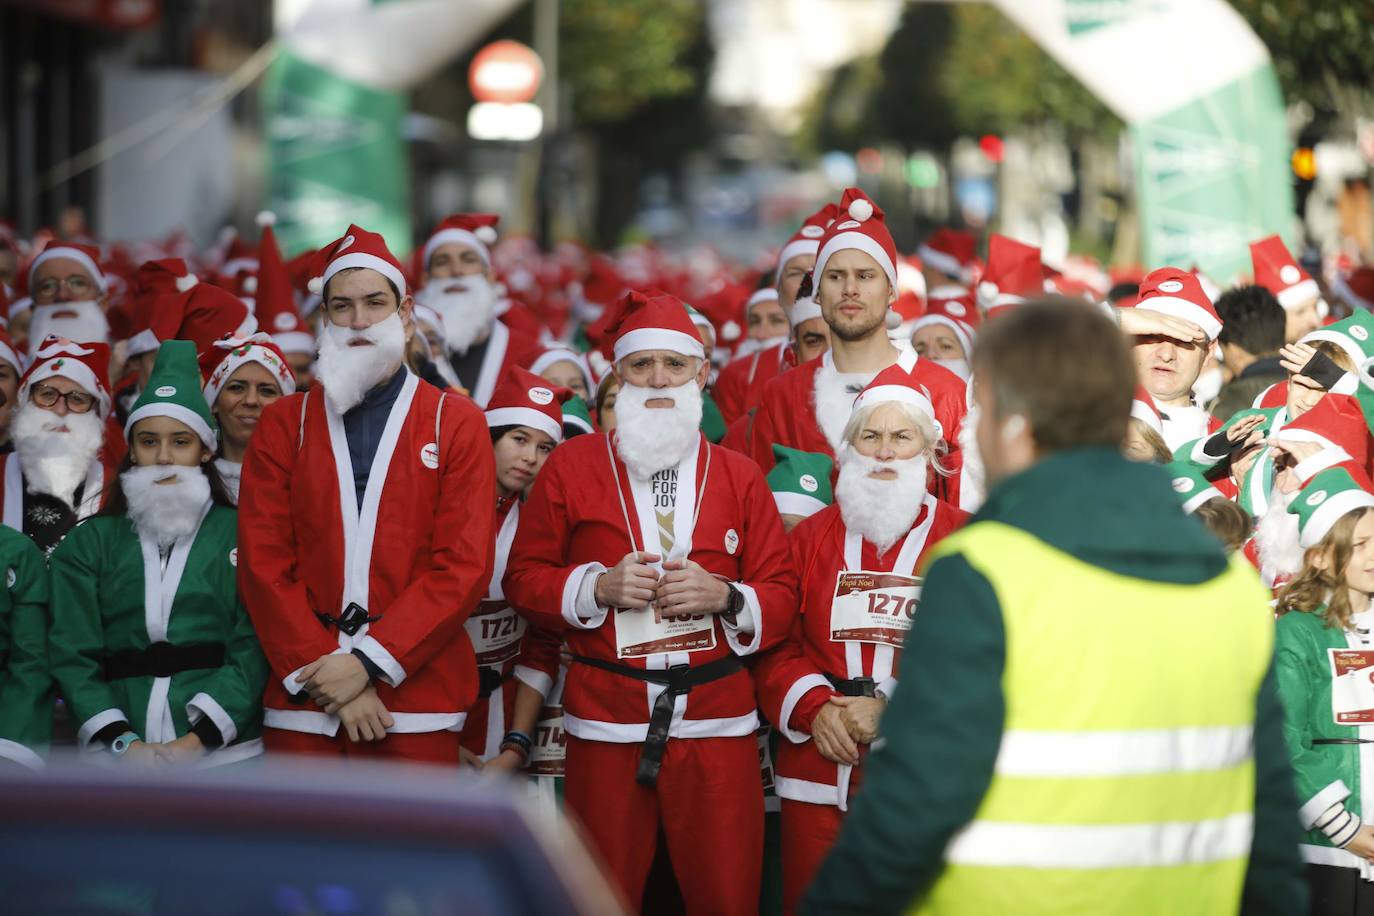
column 866, row 686
column 353, row 619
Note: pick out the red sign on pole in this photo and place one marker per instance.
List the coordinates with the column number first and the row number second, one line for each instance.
column 505, row 71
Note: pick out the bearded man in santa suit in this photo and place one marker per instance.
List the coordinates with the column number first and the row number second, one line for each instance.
column 663, row 560
column 69, row 293
column 855, row 280
column 365, row 534
column 460, row 285
column 57, row 473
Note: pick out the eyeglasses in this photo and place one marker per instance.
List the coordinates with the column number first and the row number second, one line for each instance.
column 76, row 284
column 47, row 396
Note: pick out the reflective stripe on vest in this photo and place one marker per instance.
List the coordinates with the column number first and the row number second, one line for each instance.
column 1125, row 779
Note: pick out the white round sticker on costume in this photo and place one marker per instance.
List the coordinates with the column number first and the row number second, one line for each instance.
column 812, row 232
column 10, row 577
column 1317, row 498
column 956, row 309
column 165, row 391
column 731, row 542
column 429, row 456
column 1359, row 333
column 808, row 483
column 1171, row 286
column 284, row 321
column 849, row 224
column 1289, row 274
column 541, row 396
column 234, row 557
column 1183, row 484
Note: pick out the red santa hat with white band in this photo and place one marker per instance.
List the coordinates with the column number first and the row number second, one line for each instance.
column 524, row 399
column 897, row 385
column 1013, row 275
column 952, row 252
column 360, row 248
column 958, row 313
column 1279, row 272
column 475, row 230
column 85, row 255
column 807, row 238
column 226, row 356
column 86, row 364
column 655, row 323
column 1177, row 292
column 804, row 310
column 860, row 226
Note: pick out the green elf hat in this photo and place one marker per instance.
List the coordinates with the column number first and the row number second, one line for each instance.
column 800, row 481
column 575, row 414
column 1354, row 335
column 1327, row 498
column 712, row 420
column 1191, row 488
column 173, row 390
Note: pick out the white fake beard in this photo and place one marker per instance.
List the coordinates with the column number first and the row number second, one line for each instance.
column 973, row 479
column 165, row 512
column 649, row 439
column 54, row 462
column 89, row 326
column 881, row 511
column 959, row 367
column 1276, row 535
column 834, row 401
column 347, row 372
column 468, row 312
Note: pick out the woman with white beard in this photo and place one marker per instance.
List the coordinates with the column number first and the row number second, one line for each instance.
column 826, row 687
column 242, row 376
column 149, row 643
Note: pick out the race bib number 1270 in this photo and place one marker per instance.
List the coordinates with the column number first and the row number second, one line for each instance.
column 873, row 607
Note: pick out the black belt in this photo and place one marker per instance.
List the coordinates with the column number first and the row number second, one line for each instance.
column 489, row 681
column 162, row 659
column 678, row 681
column 1342, row 741
column 350, row 621
column 854, row 686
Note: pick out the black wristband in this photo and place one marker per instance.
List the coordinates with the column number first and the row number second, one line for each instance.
column 373, row 672
column 1323, row 370
column 520, row 739
column 208, row 732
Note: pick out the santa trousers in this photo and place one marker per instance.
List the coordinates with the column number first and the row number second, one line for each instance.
column 709, row 800
column 808, row 832
column 422, row 747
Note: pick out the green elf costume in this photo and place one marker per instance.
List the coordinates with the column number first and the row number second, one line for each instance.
column 26, row 691
column 1318, row 667
column 577, row 419
column 151, row 642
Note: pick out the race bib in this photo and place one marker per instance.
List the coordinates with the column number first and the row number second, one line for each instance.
column 1352, row 686
column 644, row 631
column 550, row 743
column 495, row 630
column 873, row 607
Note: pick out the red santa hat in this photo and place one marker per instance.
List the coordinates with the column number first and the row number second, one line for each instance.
column 957, row 313
column 359, row 248
column 475, row 230
column 654, row 323
column 804, row 310
column 1013, row 274
column 152, row 281
column 86, row 364
column 224, row 357
column 1357, row 288
column 240, row 260
column 88, row 256
column 807, row 238
column 1336, row 421
column 1177, row 292
column 275, row 306
column 861, row 226
column 1277, row 271
column 759, row 296
column 1143, row 409
column 202, row 314
column 524, row 399
column 897, row 385
column 953, row 252
column 560, row 354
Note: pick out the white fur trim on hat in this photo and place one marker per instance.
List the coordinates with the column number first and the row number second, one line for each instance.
column 1205, row 495
column 1299, row 293
column 897, row 394
column 1344, row 341
column 942, row 261
column 295, row 342
column 73, row 369
column 1185, row 309
column 264, row 357
column 797, row 504
column 804, row 310
column 453, row 236
column 145, row 341
column 791, row 250
column 861, row 241
column 371, row 262
column 764, row 294
column 1325, row 516
column 525, row 416
column 961, row 330
column 564, row 355
column 658, row 339
column 1142, row 412
column 177, row 412
column 63, row 251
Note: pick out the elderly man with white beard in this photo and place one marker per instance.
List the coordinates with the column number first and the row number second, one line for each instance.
column 57, row 473
column 69, row 294
column 663, row 561
column 828, row 684
column 365, row 534
column 460, row 286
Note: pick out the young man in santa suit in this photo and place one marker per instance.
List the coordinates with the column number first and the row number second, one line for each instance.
column 365, row 534
column 855, row 280
column 460, row 285
column 57, row 474
column 662, row 559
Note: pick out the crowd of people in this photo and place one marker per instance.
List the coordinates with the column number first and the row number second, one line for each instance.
column 661, row 539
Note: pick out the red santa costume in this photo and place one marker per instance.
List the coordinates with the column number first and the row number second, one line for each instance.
column 392, row 576
column 840, row 645
column 644, row 753
column 740, row 384
column 495, row 629
column 807, row 407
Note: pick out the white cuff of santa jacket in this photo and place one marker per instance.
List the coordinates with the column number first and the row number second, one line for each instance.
column 579, row 605
column 745, row 635
column 392, row 672
column 1339, row 825
column 800, row 688
column 202, row 704
column 886, row 686
column 13, row 750
column 1312, row 809
column 87, row 732
column 1311, row 466
column 534, row 679
column 294, row 686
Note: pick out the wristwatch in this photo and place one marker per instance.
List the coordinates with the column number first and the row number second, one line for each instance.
column 121, row 744
column 734, row 603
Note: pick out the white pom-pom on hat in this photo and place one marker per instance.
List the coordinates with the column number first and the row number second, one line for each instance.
column 486, row 234
column 730, row 330
column 860, row 209
column 186, row 282
column 893, row 319
column 250, row 285
column 316, row 285
column 266, row 218
column 987, row 293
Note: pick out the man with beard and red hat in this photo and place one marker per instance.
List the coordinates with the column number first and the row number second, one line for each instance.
column 58, row 471
column 69, row 293
column 365, row 534
column 663, row 561
column 855, row 280
column 459, row 285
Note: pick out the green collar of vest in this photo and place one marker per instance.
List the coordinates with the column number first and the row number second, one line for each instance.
column 1116, row 514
